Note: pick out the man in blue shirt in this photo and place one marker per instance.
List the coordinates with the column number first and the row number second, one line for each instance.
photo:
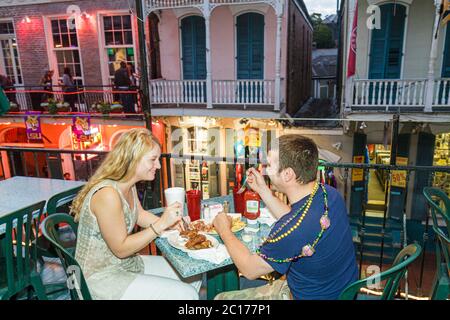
column 311, row 242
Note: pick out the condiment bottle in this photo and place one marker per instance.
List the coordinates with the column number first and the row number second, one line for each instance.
column 252, row 206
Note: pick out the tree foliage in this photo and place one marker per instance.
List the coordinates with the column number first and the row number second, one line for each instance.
column 323, row 36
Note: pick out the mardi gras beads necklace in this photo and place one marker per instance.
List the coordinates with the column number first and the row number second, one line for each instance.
column 309, row 249
column 304, row 209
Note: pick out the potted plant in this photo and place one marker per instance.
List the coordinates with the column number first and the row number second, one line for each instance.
column 63, row 106
column 102, row 107
column 116, row 107
column 50, row 105
column 13, row 107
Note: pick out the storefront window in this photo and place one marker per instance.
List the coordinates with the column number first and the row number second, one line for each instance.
column 442, row 158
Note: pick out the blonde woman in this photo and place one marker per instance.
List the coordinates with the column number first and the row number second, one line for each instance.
column 107, row 209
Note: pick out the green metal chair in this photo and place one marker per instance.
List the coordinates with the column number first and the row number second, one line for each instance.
column 76, row 282
column 59, row 200
column 392, row 276
column 18, row 257
column 441, row 283
column 58, row 203
column 440, row 207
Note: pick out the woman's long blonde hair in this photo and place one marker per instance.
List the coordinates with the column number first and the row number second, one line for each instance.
column 120, row 163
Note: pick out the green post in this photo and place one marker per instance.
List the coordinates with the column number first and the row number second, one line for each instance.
column 152, row 193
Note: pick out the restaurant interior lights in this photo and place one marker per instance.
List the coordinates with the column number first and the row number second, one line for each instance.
column 26, row 19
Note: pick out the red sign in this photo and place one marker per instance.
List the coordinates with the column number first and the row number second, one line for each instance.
column 351, row 68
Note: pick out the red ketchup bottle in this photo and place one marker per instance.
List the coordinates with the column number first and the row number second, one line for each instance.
column 252, row 206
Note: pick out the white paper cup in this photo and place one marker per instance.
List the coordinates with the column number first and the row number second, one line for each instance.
column 175, row 195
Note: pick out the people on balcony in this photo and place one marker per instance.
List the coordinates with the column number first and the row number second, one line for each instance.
column 108, row 209
column 311, row 242
column 69, row 87
column 7, row 85
column 47, row 83
column 122, row 82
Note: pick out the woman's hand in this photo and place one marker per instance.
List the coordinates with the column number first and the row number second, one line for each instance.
column 222, row 223
column 256, row 182
column 171, row 215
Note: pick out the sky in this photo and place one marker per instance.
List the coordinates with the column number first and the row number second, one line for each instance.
column 325, row 7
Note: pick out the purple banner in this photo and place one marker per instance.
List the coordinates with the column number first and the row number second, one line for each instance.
column 33, row 126
column 81, row 127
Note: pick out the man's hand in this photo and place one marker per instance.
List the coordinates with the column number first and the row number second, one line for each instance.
column 256, row 181
column 222, row 223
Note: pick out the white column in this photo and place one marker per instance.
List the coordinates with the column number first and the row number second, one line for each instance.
column 433, row 58
column 207, row 14
column 279, row 13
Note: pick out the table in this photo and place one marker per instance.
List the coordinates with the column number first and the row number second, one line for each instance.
column 220, row 277
column 19, row 192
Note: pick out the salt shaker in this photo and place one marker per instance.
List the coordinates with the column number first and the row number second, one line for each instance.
column 226, row 207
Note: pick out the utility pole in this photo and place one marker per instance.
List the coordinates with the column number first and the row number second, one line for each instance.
column 152, row 189
column 144, row 82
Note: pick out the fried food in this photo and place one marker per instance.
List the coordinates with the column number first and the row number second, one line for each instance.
column 201, row 226
column 187, row 234
column 196, row 241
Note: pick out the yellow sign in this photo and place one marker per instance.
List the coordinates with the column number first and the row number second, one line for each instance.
column 398, row 177
column 358, row 174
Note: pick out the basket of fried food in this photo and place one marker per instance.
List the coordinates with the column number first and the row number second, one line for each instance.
column 195, row 240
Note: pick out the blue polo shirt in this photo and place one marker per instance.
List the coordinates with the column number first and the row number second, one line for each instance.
column 332, row 267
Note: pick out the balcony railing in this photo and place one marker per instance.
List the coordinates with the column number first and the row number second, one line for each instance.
column 224, row 92
column 399, row 95
column 85, row 163
column 169, row 4
column 244, row 92
column 30, row 98
column 178, row 91
column 388, row 93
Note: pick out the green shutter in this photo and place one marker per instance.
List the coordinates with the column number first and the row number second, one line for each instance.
column 446, row 60
column 250, row 46
column 193, row 41
column 387, row 43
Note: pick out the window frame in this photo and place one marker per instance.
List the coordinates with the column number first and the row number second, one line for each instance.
column 104, row 59
column 51, row 49
column 16, row 68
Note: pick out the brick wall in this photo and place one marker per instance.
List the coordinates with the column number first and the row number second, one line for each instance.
column 299, row 72
column 32, row 42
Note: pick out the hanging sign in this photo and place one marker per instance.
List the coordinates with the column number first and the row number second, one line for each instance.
column 398, row 177
column 358, row 174
column 33, row 127
column 81, row 128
